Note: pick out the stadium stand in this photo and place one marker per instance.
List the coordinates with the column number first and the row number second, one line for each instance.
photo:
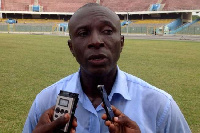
column 115, row 5
column 153, row 21
column 174, row 24
column 15, row 5
column 173, row 5
column 48, row 6
column 133, row 13
column 63, row 5
column 127, row 5
column 39, row 21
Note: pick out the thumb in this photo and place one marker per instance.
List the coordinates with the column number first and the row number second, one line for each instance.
column 126, row 122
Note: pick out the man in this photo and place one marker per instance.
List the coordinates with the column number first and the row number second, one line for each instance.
column 96, row 43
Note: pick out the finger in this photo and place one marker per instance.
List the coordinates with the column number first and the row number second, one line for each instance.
column 74, row 125
column 127, row 122
column 116, row 111
column 47, row 116
column 60, row 122
column 51, row 112
column 73, row 131
column 108, row 123
column 74, row 122
column 112, row 128
column 104, row 117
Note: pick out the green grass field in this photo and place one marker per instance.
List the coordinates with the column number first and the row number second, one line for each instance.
column 29, row 63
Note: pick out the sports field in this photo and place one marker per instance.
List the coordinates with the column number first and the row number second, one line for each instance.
column 29, row 63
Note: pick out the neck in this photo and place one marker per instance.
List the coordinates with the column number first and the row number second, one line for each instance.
column 89, row 83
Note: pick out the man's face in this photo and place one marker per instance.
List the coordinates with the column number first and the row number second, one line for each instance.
column 96, row 41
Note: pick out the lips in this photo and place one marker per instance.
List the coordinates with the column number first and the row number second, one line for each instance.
column 99, row 59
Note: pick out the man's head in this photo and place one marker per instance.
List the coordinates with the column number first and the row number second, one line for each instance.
column 96, row 40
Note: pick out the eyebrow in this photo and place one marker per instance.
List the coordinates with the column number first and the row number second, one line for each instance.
column 108, row 23
column 81, row 27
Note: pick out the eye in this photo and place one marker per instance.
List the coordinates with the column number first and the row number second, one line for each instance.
column 83, row 33
column 107, row 32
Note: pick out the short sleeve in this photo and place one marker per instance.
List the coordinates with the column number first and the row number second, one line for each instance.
column 174, row 121
column 31, row 120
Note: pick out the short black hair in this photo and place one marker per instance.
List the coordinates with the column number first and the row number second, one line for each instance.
column 91, row 5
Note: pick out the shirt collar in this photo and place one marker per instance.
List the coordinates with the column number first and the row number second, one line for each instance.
column 120, row 86
column 74, row 85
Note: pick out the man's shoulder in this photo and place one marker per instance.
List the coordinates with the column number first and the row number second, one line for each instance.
column 59, row 85
column 139, row 84
column 53, row 90
column 47, row 97
column 64, row 80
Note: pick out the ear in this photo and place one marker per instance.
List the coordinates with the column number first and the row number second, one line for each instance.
column 71, row 47
column 122, row 42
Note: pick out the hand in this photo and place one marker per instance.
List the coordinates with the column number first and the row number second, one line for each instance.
column 121, row 123
column 47, row 125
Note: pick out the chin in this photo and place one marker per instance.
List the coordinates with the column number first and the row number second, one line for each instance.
column 101, row 72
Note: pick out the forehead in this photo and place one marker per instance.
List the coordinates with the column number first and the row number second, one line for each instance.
column 91, row 14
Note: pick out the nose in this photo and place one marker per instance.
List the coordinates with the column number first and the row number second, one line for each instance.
column 95, row 40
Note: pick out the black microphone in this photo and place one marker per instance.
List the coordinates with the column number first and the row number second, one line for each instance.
column 107, row 105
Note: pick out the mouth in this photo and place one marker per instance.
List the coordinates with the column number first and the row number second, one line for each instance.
column 99, row 59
